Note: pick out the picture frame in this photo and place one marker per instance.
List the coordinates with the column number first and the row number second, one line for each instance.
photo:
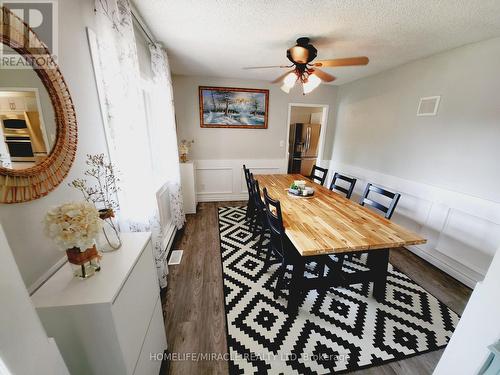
column 231, row 107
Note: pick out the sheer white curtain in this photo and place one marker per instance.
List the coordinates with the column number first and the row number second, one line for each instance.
column 143, row 166
column 163, row 132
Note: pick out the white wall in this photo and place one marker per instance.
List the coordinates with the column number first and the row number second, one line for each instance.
column 478, row 328
column 220, row 153
column 303, row 114
column 24, row 345
column 35, row 254
column 446, row 165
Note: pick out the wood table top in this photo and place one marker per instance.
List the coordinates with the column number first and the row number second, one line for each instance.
column 328, row 223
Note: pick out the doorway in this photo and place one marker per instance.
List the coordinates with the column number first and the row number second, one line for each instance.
column 306, row 129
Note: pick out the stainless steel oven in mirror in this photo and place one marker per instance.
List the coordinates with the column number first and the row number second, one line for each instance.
column 25, row 138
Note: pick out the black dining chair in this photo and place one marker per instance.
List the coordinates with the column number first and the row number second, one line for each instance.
column 251, row 204
column 347, row 190
column 320, row 179
column 281, row 246
column 374, row 258
column 387, row 210
column 260, row 225
column 258, row 221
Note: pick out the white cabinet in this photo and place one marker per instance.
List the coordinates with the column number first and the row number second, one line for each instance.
column 24, row 345
column 317, row 117
column 12, row 103
column 188, row 181
column 111, row 322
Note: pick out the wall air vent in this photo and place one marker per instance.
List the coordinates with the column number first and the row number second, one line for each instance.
column 428, row 106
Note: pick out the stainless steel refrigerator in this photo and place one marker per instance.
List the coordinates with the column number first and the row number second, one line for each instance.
column 303, row 147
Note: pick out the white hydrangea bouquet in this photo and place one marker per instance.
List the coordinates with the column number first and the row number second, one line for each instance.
column 73, row 225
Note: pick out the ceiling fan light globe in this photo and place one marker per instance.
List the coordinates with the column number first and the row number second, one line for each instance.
column 313, row 81
column 290, row 79
column 285, row 89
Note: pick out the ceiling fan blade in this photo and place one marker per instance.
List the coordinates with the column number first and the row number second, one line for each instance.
column 324, row 76
column 349, row 61
column 281, row 77
column 267, row 67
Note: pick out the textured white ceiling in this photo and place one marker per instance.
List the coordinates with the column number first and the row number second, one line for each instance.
column 219, row 37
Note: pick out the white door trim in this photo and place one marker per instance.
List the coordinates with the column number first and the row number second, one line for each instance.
column 324, row 127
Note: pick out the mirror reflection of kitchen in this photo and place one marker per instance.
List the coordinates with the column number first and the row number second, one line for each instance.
column 27, row 119
column 25, row 141
column 303, row 142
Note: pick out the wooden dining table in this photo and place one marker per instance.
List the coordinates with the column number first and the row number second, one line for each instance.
column 329, row 224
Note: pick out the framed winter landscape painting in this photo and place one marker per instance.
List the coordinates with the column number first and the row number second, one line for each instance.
column 228, row 107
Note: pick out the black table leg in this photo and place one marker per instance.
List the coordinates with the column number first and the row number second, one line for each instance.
column 378, row 261
column 296, row 288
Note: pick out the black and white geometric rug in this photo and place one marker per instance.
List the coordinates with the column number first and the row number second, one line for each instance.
column 340, row 330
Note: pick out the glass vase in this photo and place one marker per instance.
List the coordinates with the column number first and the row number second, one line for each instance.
column 84, row 263
column 109, row 240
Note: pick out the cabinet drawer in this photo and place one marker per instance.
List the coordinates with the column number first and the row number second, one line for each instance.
column 154, row 343
column 134, row 306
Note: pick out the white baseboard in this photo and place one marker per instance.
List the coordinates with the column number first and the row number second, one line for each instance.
column 463, row 274
column 222, row 197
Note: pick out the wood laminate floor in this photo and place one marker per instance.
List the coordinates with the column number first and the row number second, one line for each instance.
column 194, row 300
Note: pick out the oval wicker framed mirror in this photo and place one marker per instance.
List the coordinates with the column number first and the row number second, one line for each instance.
column 38, row 125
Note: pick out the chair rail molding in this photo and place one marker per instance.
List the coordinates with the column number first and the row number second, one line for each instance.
column 463, row 231
column 223, row 180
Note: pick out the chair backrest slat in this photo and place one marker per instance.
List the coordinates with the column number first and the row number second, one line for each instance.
column 247, row 177
column 256, row 193
column 387, row 210
column 376, row 205
column 275, row 223
column 347, row 191
column 320, row 179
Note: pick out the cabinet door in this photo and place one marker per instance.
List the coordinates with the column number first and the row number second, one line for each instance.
column 155, row 343
column 134, row 306
column 188, row 187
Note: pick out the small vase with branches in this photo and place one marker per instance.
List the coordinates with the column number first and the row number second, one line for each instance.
column 184, row 148
column 101, row 192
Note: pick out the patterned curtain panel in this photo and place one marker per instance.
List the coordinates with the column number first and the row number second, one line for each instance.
column 135, row 137
column 163, row 132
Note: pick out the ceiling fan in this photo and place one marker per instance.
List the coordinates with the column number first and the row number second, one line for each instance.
column 304, row 70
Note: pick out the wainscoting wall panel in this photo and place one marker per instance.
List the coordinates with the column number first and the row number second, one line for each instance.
column 223, row 180
column 214, row 180
column 463, row 231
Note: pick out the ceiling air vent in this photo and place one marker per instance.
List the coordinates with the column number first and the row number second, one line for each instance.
column 428, row 106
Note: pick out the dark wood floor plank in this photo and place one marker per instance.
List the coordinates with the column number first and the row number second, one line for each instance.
column 195, row 319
